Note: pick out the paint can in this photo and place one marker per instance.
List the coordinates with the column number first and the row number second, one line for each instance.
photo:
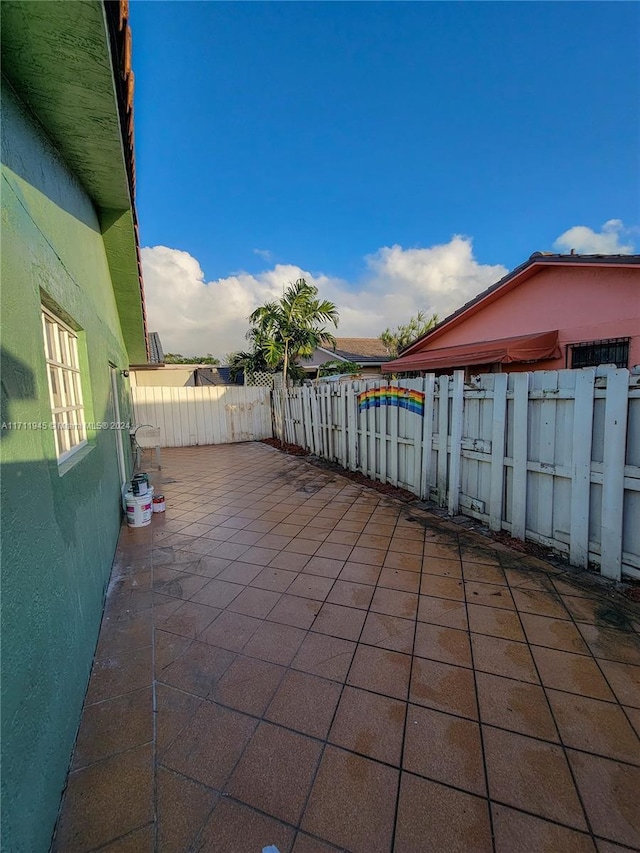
column 140, row 485
column 139, row 509
column 158, row 503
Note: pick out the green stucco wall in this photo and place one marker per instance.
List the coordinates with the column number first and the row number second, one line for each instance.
column 59, row 533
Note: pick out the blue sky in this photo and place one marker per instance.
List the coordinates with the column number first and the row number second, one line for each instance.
column 320, row 133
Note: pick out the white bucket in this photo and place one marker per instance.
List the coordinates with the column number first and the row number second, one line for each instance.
column 158, row 503
column 138, row 509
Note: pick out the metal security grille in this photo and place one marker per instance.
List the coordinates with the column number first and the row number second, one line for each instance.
column 591, row 354
column 65, row 390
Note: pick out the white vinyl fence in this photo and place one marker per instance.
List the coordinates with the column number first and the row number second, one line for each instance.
column 205, row 415
column 550, row 456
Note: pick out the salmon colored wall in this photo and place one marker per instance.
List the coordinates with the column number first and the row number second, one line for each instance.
column 583, row 303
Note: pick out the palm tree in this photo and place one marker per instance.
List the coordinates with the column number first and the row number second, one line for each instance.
column 397, row 339
column 291, row 326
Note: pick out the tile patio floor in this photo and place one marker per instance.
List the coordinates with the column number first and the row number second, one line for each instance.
column 289, row 658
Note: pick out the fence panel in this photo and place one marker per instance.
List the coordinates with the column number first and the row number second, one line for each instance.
column 551, row 456
column 204, row 415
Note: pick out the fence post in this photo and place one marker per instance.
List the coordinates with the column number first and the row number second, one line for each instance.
column 352, row 427
column 581, row 467
column 443, row 436
column 427, row 435
column 457, row 405
column 615, row 448
column 520, row 451
column 498, row 430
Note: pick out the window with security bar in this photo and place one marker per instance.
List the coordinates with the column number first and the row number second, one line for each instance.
column 591, row 354
column 65, row 388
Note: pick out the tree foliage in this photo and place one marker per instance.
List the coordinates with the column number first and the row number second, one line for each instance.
column 177, row 358
column 395, row 340
column 293, row 326
column 330, row 368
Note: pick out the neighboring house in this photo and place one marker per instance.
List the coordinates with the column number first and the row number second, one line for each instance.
column 369, row 353
column 181, row 375
column 551, row 312
column 156, row 353
column 72, row 321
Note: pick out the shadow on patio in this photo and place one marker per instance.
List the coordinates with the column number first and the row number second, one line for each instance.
column 288, row 658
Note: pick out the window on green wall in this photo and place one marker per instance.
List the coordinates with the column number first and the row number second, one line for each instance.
column 65, row 388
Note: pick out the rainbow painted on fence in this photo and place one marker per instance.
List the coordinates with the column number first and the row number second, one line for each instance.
column 403, row 398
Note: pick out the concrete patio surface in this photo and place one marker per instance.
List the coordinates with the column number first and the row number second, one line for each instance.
column 289, row 658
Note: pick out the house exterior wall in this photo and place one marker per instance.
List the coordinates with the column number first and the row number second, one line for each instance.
column 584, row 303
column 59, row 525
column 179, row 377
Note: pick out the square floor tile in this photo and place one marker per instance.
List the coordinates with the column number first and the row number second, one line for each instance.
column 311, row 586
column 432, row 817
column 248, row 685
column 289, row 561
column 503, row 657
column 442, row 587
column 212, row 731
column 300, row 545
column 360, row 573
column 120, row 674
column 489, row 595
column 255, row 602
column 624, row 680
column 515, row 705
column 352, row 802
column 444, row 748
column 516, row 832
column 231, row 631
column 594, row 726
column 368, row 556
column 441, row 566
column 277, row 580
column 105, row 800
column 370, row 724
column 183, row 807
column 217, row 593
column 609, row 793
column 174, row 709
column 326, row 656
column 334, row 549
column 403, row 562
column 292, row 610
column 444, row 644
column 233, row 826
column 611, row 644
column 305, row 703
column 443, row 611
column 399, row 579
column 395, row 603
column 351, row 594
column 553, row 633
column 388, row 632
column 275, row 642
column 324, row 567
column 517, row 766
column 381, row 671
column 188, row 619
column 198, row 669
column 275, row 772
column 442, row 549
column 482, row 573
column 573, row 673
column 112, row 726
column 443, row 687
column 339, row 621
column 239, row 572
column 542, row 603
column 495, row 622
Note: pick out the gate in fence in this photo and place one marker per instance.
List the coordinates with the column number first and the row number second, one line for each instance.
column 549, row 456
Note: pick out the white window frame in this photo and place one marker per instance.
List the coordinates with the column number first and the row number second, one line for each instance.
column 65, row 385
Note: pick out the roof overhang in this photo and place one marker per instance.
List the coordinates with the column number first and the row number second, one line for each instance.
column 524, row 348
column 57, row 55
column 532, row 266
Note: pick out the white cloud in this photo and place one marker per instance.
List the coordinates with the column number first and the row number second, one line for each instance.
column 586, row 241
column 263, row 253
column 194, row 316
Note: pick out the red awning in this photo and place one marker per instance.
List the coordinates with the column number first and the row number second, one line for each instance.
column 503, row 351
